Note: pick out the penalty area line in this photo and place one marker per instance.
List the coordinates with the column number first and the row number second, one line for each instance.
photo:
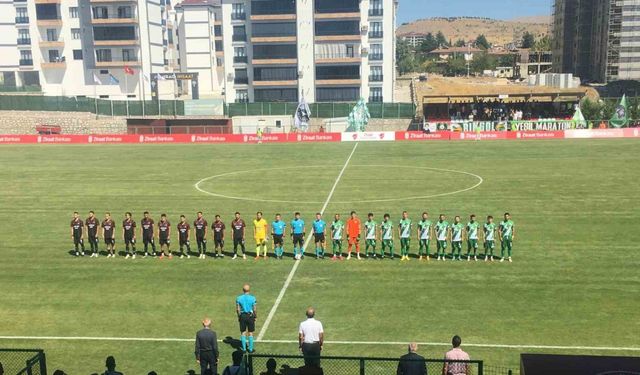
column 272, row 313
column 338, row 342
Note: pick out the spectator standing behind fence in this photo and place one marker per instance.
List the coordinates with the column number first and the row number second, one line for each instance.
column 206, row 350
column 456, row 354
column 311, row 338
column 412, row 363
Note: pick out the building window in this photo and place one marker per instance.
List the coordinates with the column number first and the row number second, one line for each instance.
column 77, row 54
column 375, row 95
column 239, row 34
column 219, row 61
column 241, row 77
column 73, row 12
column 376, row 52
column 242, row 96
column 239, row 55
column 327, row 28
column 376, row 74
column 217, row 30
column 26, row 58
column 75, row 34
column 22, row 13
column 104, row 96
column 125, row 12
column 375, row 30
column 375, row 8
column 103, row 55
column 23, row 37
column 52, row 35
column 54, row 55
column 100, row 13
column 337, row 94
column 217, row 45
column 104, row 71
column 237, row 11
column 276, row 95
column 128, row 55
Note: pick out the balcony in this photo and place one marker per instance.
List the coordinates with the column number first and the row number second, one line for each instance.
column 238, row 16
column 375, row 99
column 276, row 83
column 375, row 13
column 22, row 20
column 56, row 22
column 240, row 59
column 273, row 39
column 334, row 58
column 375, row 34
column 274, row 61
column 375, row 78
column 272, row 8
column 115, row 42
column 241, row 80
column 111, row 20
column 239, row 37
column 117, row 63
column 53, row 65
column 26, row 62
column 45, row 43
column 24, row 41
column 375, row 56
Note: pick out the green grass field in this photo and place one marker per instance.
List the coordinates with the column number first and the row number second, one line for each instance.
column 574, row 280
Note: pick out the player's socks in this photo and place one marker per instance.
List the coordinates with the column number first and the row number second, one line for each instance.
column 243, row 341
column 250, row 344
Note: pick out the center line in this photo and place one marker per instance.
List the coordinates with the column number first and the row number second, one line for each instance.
column 265, row 326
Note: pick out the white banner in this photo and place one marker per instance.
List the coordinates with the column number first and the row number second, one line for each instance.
column 368, row 136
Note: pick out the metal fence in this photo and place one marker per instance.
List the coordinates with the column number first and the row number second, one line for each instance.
column 265, row 364
column 23, row 361
column 320, row 110
column 103, row 107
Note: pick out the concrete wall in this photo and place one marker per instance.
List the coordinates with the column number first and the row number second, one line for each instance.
column 25, row 122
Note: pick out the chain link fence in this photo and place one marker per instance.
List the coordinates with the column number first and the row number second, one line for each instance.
column 320, row 110
column 23, row 362
column 264, row 364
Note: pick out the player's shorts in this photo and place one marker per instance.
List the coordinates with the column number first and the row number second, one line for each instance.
column 184, row 241
column 370, row 242
column 319, row 237
column 456, row 245
column 405, row 241
column 93, row 237
column 129, row 240
column 353, row 240
column 424, row 244
column 147, row 238
column 218, row 241
column 238, row 242
column 298, row 239
column 441, row 244
column 387, row 243
column 247, row 322
column 277, row 239
column 200, row 237
column 489, row 244
column 260, row 240
column 164, row 241
column 472, row 243
column 506, row 244
column 77, row 238
column 109, row 241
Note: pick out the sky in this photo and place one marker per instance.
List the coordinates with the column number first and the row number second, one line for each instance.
column 409, row 10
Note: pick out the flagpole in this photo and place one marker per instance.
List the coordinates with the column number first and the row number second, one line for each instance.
column 126, row 91
column 141, row 88
column 95, row 97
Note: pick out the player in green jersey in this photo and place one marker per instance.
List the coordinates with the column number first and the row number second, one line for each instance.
column 424, row 235
column 442, row 233
column 370, row 235
column 337, row 234
column 386, row 234
column 489, row 231
column 456, row 238
column 472, row 238
column 404, row 232
column 507, row 233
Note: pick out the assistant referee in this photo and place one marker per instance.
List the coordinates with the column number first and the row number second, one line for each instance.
column 247, row 315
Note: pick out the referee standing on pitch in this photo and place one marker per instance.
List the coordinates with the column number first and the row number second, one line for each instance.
column 311, row 338
column 247, row 315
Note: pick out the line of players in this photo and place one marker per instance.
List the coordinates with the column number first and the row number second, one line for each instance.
column 374, row 233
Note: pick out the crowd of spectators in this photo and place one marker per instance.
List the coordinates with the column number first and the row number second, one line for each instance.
column 498, row 110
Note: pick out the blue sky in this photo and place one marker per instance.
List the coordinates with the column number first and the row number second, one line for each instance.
column 409, row 10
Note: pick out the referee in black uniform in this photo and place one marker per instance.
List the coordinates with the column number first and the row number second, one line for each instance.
column 207, row 348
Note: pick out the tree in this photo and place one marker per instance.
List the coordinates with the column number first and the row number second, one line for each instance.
column 405, row 58
column 441, row 40
column 543, row 44
column 528, row 40
column 482, row 61
column 455, row 67
column 482, row 42
column 507, row 60
column 428, row 44
column 460, row 43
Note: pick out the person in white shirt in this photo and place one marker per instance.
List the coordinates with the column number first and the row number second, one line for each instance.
column 311, row 338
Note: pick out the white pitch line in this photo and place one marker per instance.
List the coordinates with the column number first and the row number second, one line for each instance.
column 445, row 344
column 267, row 321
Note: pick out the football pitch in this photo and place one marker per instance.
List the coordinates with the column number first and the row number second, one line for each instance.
column 572, row 288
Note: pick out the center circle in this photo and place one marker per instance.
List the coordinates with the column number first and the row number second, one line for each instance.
column 204, row 187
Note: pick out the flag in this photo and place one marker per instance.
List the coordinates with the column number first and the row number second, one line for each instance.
column 578, row 119
column 146, row 77
column 128, row 70
column 620, row 117
column 160, row 77
column 113, row 80
column 303, row 113
column 96, row 79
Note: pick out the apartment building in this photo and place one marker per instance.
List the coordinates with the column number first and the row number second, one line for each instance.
column 63, row 45
column 597, row 40
column 324, row 50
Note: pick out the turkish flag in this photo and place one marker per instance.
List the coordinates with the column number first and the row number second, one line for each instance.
column 128, row 70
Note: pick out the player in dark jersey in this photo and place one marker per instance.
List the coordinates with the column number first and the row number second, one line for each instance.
column 184, row 232
column 146, row 227
column 164, row 236
column 200, row 227
column 92, row 225
column 77, row 227
column 129, row 235
column 238, row 227
column 218, row 228
column 108, row 231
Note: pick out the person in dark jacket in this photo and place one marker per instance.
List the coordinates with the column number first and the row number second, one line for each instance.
column 207, row 348
column 412, row 363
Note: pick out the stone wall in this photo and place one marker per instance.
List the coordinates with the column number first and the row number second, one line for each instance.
column 25, row 122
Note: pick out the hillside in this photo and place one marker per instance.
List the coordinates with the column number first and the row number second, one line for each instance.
column 496, row 31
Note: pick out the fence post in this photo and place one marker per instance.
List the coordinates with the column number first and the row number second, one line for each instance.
column 480, row 368
column 361, row 366
column 249, row 369
column 510, row 372
column 43, row 363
